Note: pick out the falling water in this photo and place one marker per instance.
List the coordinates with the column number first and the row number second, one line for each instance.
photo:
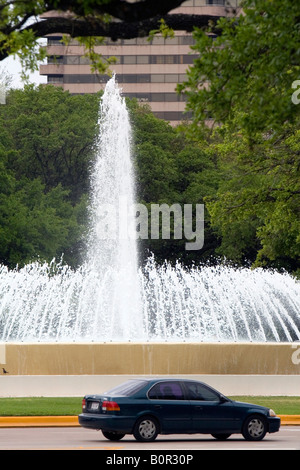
column 110, row 299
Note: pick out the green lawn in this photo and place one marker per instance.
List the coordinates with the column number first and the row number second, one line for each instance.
column 43, row 406
column 281, row 405
column 72, row 406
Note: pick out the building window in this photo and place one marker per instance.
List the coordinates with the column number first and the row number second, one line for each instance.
column 143, row 78
column 129, row 41
column 124, row 78
column 142, row 59
column 84, row 60
column 56, row 60
column 55, row 78
column 158, row 78
column 158, row 97
column 215, row 2
column 158, row 40
column 54, row 41
column 173, row 115
column 129, row 59
column 171, row 78
column 72, row 60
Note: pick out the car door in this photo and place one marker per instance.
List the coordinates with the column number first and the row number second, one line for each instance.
column 170, row 405
column 210, row 413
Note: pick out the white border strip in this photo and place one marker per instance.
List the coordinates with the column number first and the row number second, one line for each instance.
column 79, row 385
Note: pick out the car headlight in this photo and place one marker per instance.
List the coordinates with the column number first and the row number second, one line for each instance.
column 272, row 413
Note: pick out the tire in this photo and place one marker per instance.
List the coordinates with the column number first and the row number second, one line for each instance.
column 113, row 436
column 255, row 428
column 146, row 429
column 221, row 437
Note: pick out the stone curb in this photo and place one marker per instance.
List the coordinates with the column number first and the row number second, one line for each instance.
column 72, row 421
column 38, row 421
column 292, row 420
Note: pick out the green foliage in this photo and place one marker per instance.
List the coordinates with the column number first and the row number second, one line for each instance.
column 249, row 68
column 172, row 168
column 282, row 405
column 40, row 406
column 16, row 39
column 46, row 148
column 256, row 208
column 52, row 136
column 32, row 223
column 243, row 80
column 163, row 29
column 250, row 187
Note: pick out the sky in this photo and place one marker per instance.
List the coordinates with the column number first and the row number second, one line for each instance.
column 13, row 68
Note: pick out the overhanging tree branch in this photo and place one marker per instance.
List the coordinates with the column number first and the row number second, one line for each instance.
column 93, row 26
column 84, row 19
column 123, row 10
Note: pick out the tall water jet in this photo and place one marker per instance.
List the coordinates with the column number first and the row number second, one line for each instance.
column 112, row 252
column 109, row 298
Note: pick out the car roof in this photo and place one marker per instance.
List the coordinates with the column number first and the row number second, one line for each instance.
column 166, row 379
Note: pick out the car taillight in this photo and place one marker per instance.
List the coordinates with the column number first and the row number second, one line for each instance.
column 83, row 404
column 110, row 406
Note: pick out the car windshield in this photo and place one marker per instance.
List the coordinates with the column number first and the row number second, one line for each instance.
column 127, row 388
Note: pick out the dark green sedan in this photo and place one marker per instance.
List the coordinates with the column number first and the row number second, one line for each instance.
column 148, row 407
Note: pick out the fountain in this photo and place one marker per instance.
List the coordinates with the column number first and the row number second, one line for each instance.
column 109, row 299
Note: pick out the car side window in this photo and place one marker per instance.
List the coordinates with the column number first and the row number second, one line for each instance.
column 166, row 391
column 197, row 391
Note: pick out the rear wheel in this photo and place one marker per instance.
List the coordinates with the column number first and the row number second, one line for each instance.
column 255, row 428
column 146, row 429
column 113, row 436
column 221, row 437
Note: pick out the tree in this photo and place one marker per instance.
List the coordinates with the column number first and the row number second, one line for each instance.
column 33, row 224
column 50, row 135
column 46, row 150
column 249, row 69
column 172, row 168
column 21, row 23
column 246, row 80
column 256, row 208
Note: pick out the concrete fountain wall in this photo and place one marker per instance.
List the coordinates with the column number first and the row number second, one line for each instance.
column 150, row 358
column 58, row 369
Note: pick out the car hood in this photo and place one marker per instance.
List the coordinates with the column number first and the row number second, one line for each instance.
column 250, row 405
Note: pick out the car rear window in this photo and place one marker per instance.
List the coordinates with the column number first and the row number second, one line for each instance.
column 127, row 388
column 166, row 391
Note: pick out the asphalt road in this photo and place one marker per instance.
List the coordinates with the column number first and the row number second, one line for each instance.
column 76, row 438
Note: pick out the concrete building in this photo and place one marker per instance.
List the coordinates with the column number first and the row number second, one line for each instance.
column 148, row 71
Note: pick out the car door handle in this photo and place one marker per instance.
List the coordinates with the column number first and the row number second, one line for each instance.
column 198, row 407
column 157, row 407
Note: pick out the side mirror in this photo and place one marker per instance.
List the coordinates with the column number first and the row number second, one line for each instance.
column 223, row 399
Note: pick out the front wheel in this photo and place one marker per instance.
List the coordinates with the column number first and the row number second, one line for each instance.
column 146, row 429
column 113, row 436
column 254, row 428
